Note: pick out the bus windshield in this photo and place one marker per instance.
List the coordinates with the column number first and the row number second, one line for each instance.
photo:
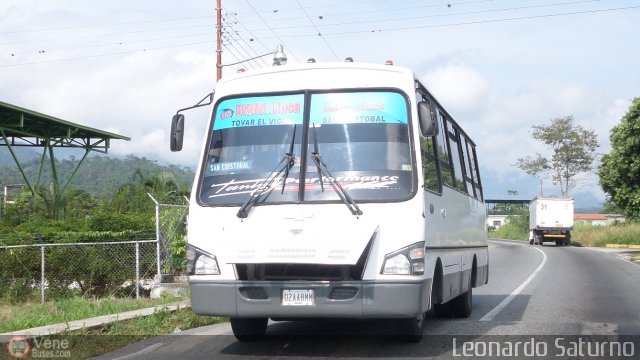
column 363, row 138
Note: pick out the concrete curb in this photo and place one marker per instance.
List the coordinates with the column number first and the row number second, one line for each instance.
column 623, row 246
column 95, row 321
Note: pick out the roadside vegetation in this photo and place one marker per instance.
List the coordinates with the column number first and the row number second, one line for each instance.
column 29, row 315
column 516, row 227
column 627, row 233
column 88, row 343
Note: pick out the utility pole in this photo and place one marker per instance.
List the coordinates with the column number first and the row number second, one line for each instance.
column 219, row 40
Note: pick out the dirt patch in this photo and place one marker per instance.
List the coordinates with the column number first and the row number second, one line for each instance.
column 6, row 312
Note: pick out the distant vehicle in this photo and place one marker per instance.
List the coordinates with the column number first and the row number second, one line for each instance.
column 550, row 219
column 333, row 190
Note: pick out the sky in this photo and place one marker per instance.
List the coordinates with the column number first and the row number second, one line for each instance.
column 498, row 66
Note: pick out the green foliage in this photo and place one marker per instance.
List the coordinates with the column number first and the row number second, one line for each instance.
column 91, row 271
column 26, row 207
column 516, row 227
column 573, row 151
column 620, row 169
column 622, row 233
column 126, row 213
column 108, row 221
column 98, row 176
column 25, row 316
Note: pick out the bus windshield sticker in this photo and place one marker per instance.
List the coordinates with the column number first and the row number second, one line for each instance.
column 259, row 111
column 353, row 182
column 358, row 108
column 230, row 166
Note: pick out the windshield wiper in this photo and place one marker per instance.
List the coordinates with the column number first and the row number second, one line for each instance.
column 323, row 170
column 291, row 159
column 285, row 165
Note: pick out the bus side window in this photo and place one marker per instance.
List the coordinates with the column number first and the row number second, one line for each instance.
column 429, row 159
column 456, row 159
column 474, row 171
column 429, row 165
column 468, row 176
column 442, row 144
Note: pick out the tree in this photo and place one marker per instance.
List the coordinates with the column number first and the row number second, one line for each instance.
column 620, row 169
column 573, row 151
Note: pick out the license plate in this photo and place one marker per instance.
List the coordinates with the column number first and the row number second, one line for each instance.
column 297, row 297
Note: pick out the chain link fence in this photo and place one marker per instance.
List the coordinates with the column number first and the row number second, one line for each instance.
column 30, row 268
column 97, row 269
column 171, row 223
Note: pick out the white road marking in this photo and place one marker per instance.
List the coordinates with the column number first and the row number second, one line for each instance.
column 496, row 310
column 138, row 353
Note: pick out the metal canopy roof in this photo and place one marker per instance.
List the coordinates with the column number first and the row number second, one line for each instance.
column 24, row 127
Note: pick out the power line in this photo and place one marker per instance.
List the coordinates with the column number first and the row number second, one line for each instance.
column 274, row 33
column 231, row 24
column 106, row 44
column 437, row 15
column 318, row 30
column 101, row 25
column 249, row 31
column 229, row 36
column 104, row 35
column 442, row 4
column 105, row 54
column 468, row 22
column 342, row 33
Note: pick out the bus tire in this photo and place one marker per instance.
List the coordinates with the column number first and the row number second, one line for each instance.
column 461, row 305
column 249, row 329
column 530, row 241
column 442, row 311
column 410, row 330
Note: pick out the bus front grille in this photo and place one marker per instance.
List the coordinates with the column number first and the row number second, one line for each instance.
column 306, row 272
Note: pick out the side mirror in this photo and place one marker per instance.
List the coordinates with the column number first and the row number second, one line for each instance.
column 177, row 132
column 428, row 119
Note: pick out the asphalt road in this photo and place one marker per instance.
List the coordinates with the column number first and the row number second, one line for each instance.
column 535, row 294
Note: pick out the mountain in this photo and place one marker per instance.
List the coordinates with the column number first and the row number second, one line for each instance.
column 24, row 154
column 98, row 175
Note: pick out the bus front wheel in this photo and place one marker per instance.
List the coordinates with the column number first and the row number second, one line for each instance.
column 249, row 329
column 410, row 330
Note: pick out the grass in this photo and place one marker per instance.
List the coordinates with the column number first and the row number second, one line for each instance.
column 84, row 344
column 28, row 315
column 508, row 231
column 582, row 235
column 624, row 233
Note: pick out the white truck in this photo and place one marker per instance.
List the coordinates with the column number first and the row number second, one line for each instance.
column 550, row 219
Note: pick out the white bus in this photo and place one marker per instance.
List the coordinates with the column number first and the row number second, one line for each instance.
column 333, row 190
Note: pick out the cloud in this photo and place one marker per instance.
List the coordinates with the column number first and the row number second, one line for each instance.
column 499, row 120
column 457, row 85
column 133, row 95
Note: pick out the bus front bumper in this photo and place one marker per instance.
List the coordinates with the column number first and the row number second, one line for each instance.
column 331, row 299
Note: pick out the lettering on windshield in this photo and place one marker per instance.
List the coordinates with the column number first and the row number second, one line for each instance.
column 358, row 108
column 352, row 182
column 259, row 111
column 230, row 166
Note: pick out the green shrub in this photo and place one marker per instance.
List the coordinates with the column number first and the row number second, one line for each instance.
column 112, row 221
column 516, row 227
column 627, row 233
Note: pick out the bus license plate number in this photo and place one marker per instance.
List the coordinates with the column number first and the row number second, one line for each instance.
column 297, row 297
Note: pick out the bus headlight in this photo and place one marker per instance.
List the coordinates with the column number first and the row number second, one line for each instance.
column 397, row 265
column 406, row 261
column 200, row 262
